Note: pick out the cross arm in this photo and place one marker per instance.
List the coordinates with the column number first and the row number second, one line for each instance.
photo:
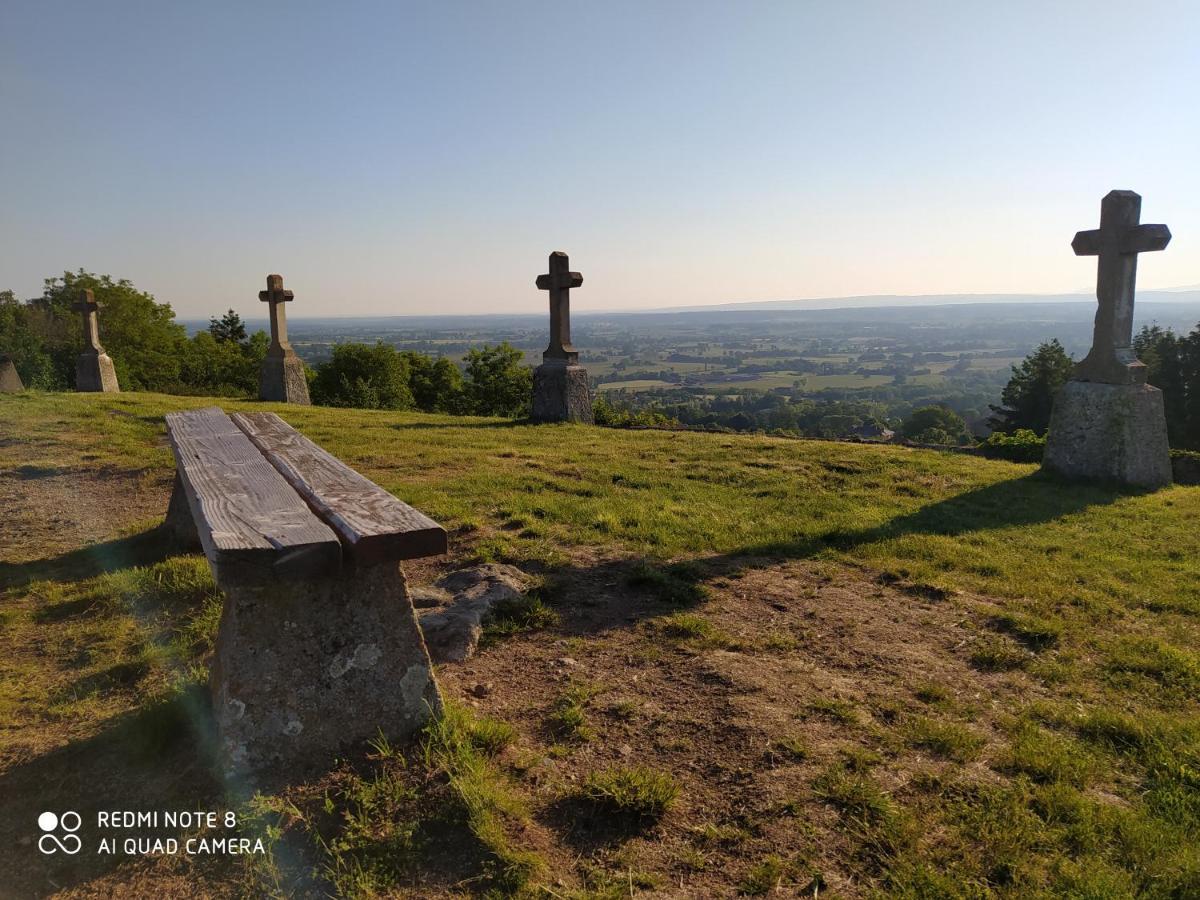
column 1134, row 239
column 549, row 281
column 267, row 296
column 1087, row 243
column 1142, row 238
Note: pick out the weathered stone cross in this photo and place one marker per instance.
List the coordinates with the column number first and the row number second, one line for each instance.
column 87, row 305
column 277, row 296
column 559, row 281
column 1117, row 242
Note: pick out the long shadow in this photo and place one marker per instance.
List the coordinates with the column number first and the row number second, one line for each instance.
column 617, row 592
column 155, row 758
column 142, row 549
column 422, row 426
column 1031, row 500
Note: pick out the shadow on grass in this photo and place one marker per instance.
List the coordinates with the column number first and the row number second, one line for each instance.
column 587, row 829
column 1032, row 500
column 156, row 758
column 142, row 549
column 616, row 593
column 420, row 426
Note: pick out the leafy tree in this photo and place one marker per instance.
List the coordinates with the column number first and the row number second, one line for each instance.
column 934, row 425
column 1173, row 365
column 21, row 338
column 1028, row 397
column 363, row 376
column 228, row 328
column 226, row 368
column 140, row 333
column 498, row 382
column 437, row 384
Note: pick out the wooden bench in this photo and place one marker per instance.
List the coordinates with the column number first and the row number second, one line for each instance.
column 318, row 646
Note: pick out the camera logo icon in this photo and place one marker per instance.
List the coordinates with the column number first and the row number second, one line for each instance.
column 50, row 843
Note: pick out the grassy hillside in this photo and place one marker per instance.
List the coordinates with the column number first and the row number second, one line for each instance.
column 812, row 665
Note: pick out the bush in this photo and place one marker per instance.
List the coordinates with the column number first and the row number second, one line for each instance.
column 1022, row 445
column 366, row 377
column 934, row 425
column 1185, row 466
column 498, row 381
column 614, row 416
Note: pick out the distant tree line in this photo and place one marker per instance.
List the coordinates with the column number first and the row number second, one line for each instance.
column 152, row 352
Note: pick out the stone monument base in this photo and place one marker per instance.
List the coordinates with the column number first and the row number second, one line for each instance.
column 282, row 379
column 10, row 380
column 1109, row 432
column 561, row 394
column 95, row 372
column 305, row 670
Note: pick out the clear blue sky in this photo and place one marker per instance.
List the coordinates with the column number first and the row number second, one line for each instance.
column 405, row 158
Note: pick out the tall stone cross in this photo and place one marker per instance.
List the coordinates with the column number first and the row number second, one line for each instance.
column 88, row 307
column 559, row 281
column 1117, row 242
column 277, row 296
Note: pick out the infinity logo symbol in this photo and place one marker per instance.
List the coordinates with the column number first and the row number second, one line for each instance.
column 69, row 843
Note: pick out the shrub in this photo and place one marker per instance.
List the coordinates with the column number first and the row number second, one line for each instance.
column 1022, row 445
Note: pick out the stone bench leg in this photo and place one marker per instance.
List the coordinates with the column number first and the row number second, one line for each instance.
column 179, row 523
column 304, row 670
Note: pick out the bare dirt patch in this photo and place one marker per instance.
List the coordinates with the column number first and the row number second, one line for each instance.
column 51, row 511
column 806, row 665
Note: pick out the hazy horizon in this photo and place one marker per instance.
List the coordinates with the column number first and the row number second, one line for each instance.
column 387, row 159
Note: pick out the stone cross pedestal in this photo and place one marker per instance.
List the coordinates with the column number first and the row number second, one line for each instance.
column 560, row 384
column 10, row 380
column 282, row 375
column 94, row 369
column 1107, row 422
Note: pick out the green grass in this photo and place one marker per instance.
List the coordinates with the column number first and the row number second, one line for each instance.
column 1091, row 596
column 568, row 719
column 637, row 793
column 529, row 612
column 946, row 739
column 694, row 630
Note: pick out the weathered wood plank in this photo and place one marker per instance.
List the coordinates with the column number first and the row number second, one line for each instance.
column 247, row 516
column 374, row 526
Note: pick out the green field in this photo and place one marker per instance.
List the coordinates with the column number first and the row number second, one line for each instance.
column 1062, row 761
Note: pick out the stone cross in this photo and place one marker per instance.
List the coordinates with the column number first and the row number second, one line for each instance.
column 88, row 307
column 559, row 281
column 277, row 296
column 1117, row 242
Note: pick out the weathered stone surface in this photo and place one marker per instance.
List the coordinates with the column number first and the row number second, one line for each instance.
column 304, row 670
column 452, row 631
column 1117, row 243
column 94, row 369
column 558, row 281
column 1107, row 423
column 429, row 597
column 179, row 522
column 561, row 394
column 1110, row 432
column 560, row 384
column 10, row 380
column 281, row 377
column 95, row 372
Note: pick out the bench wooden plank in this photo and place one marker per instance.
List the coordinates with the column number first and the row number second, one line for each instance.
column 374, row 525
column 246, row 514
